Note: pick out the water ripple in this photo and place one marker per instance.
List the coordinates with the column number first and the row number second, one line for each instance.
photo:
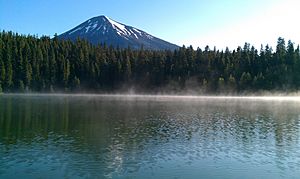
column 101, row 138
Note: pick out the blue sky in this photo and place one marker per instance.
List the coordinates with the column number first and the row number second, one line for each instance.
column 191, row 22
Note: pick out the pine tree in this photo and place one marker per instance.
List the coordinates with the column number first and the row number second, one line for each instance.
column 221, row 84
column 52, row 67
column 21, row 86
column 66, row 72
column 231, row 82
column 9, row 75
column 28, row 75
column 245, row 80
column 127, row 69
column 76, row 83
column 2, row 71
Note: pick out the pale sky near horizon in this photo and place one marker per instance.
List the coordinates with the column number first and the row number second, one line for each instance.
column 198, row 23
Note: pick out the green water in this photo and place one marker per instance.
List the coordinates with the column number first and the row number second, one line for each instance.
column 124, row 137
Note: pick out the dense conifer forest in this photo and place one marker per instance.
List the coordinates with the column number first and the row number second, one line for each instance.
column 41, row 64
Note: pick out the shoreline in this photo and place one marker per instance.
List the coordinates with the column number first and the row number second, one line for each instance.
column 163, row 96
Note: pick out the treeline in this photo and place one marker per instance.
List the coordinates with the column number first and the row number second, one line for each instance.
column 32, row 64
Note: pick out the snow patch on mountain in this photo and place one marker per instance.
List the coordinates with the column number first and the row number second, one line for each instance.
column 79, row 28
column 121, row 29
column 102, row 29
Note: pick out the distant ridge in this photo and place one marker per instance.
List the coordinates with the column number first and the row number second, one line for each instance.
column 102, row 29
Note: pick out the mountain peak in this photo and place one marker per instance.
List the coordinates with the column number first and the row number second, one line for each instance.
column 101, row 17
column 102, row 29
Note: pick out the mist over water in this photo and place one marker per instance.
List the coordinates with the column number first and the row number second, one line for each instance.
column 121, row 136
column 169, row 97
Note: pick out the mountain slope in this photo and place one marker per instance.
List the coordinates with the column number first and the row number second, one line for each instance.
column 101, row 29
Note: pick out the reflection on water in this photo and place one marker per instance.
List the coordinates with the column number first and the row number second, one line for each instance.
column 106, row 137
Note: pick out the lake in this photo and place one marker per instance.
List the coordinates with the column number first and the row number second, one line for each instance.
column 98, row 136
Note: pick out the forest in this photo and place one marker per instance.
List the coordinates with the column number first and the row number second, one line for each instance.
column 43, row 64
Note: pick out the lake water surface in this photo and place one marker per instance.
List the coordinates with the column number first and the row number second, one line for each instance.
column 60, row 136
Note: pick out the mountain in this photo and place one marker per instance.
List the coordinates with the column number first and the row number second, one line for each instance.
column 102, row 29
